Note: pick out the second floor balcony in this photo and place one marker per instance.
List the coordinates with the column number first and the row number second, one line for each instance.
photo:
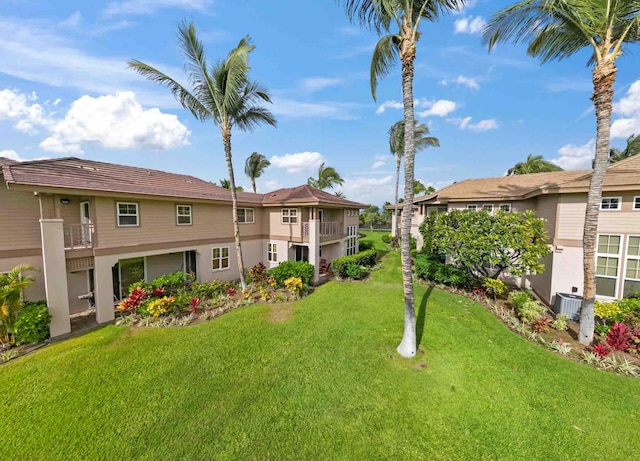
column 78, row 236
column 328, row 230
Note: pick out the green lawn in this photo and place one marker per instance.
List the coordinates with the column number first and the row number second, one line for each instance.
column 324, row 383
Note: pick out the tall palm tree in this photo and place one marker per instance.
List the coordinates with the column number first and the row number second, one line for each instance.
column 407, row 16
column 632, row 148
column 254, row 167
column 533, row 164
column 558, row 29
column 222, row 93
column 226, row 184
column 340, row 194
column 396, row 146
column 327, row 178
column 11, row 285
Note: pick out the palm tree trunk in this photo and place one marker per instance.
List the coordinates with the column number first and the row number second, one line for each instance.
column 396, row 212
column 408, row 346
column 604, row 75
column 253, row 184
column 226, row 137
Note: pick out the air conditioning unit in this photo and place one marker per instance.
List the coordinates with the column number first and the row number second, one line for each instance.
column 568, row 305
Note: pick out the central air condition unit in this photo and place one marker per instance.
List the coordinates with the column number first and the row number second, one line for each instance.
column 568, row 305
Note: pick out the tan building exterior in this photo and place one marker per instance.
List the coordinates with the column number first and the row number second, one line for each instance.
column 560, row 199
column 94, row 228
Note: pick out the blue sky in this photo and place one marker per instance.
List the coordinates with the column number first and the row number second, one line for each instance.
column 65, row 90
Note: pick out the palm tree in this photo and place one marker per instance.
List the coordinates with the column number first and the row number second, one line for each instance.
column 533, row 164
column 226, row 184
column 632, row 148
column 407, row 16
column 222, row 93
column 327, row 178
column 11, row 285
column 340, row 194
column 558, row 29
column 254, row 167
column 396, row 146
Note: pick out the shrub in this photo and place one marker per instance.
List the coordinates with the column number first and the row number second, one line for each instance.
column 602, row 330
column 541, row 324
column 32, row 324
column 619, row 337
column 257, row 274
column 137, row 296
column 173, row 281
column 293, row 284
column 531, row 311
column 365, row 245
column 606, row 310
column 517, row 299
column 427, row 267
column 288, row 269
column 601, row 350
column 354, row 271
column 161, row 306
column 496, row 288
column 630, row 305
column 560, row 323
column 209, row 290
column 365, row 258
column 386, row 238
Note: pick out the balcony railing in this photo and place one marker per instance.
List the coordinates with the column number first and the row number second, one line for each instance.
column 331, row 228
column 78, row 236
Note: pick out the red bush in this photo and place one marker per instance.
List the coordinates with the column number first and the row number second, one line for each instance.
column 541, row 324
column 601, row 350
column 619, row 337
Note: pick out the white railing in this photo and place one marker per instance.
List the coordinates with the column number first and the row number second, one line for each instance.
column 331, row 228
column 78, row 236
column 305, row 229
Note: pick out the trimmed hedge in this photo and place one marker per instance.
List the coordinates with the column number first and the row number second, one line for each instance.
column 340, row 266
column 428, row 268
column 288, row 269
column 32, row 324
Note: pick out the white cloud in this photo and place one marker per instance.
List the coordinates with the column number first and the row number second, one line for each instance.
column 297, row 163
column 463, row 81
column 438, row 184
column 439, row 108
column 320, row 83
column 482, row 125
column 297, row 109
column 369, row 190
column 378, row 164
column 629, row 108
column 13, row 155
column 115, row 122
column 19, row 107
column 574, row 157
column 469, row 25
column 142, row 7
column 73, row 20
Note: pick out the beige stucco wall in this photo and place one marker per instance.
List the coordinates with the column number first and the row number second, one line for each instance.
column 19, row 219
column 333, row 251
column 276, row 229
column 36, row 291
column 164, row 264
column 283, row 251
column 567, row 271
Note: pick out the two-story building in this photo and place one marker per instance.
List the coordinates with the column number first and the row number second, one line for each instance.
column 560, row 198
column 95, row 227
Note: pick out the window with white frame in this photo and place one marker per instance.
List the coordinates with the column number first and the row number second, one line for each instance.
column 435, row 210
column 127, row 214
column 352, row 240
column 608, row 265
column 183, row 215
column 632, row 267
column 272, row 252
column 610, row 203
column 487, row 208
column 472, row 207
column 506, row 207
column 636, row 203
column 220, row 258
column 246, row 215
column 289, row 216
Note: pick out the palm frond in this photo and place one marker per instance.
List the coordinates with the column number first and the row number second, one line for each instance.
column 373, row 14
column 421, row 136
column 383, row 59
column 236, row 68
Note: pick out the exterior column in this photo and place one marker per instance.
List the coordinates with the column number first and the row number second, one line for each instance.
column 314, row 243
column 394, row 223
column 103, row 296
column 55, row 275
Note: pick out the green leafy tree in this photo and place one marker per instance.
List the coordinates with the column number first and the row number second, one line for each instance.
column 558, row 29
column 487, row 246
column 533, row 164
column 327, row 178
column 11, row 286
column 370, row 217
column 254, row 166
column 632, row 148
column 405, row 16
column 396, row 146
column 222, row 93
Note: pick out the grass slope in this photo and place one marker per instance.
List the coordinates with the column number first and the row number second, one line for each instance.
column 323, row 384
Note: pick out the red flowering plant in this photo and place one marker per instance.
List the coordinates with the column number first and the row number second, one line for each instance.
column 194, row 303
column 541, row 324
column 601, row 350
column 231, row 291
column 619, row 337
column 137, row 296
column 158, row 292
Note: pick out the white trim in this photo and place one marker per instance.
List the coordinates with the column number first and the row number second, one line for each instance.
column 289, row 216
column 636, row 203
column 253, row 213
column 610, row 255
column 508, row 205
column 472, row 206
column 351, row 240
column 619, row 199
column 221, row 258
column 118, row 215
column 178, row 215
column 272, row 252
column 488, row 205
column 627, row 257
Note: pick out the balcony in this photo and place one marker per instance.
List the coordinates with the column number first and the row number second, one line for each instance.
column 78, row 236
column 327, row 230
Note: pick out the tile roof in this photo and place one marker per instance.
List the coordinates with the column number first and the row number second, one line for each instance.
column 81, row 174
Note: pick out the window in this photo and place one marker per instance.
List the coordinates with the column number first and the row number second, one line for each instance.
column 130, row 271
column 183, row 213
column 472, row 207
column 127, row 214
column 607, row 264
column 289, row 216
column 506, row 207
column 435, row 210
column 246, row 215
column 632, row 267
column 190, row 264
column 220, row 258
column 610, row 203
column 636, row 203
column 352, row 240
column 487, row 208
column 272, row 252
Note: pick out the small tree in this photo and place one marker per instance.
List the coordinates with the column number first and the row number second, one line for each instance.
column 487, row 245
column 11, row 285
